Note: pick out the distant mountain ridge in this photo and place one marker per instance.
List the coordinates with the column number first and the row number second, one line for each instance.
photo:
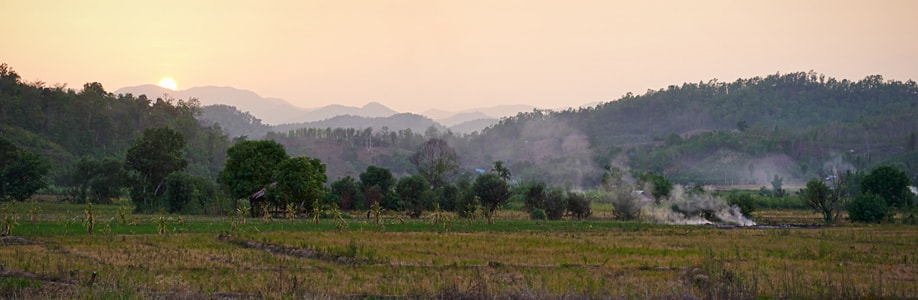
column 415, row 123
column 281, row 115
column 269, row 110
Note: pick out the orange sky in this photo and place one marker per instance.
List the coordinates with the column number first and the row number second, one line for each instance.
column 415, row 55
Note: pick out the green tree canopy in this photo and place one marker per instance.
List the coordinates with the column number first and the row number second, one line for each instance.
column 96, row 180
column 346, row 190
column 21, row 172
column 658, row 185
column 414, row 191
column 378, row 186
column 152, row 158
column 250, row 166
column 890, row 184
column 868, row 208
column 492, row 191
column 299, row 180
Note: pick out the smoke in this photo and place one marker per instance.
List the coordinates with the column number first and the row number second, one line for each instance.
column 554, row 152
column 694, row 207
column 837, row 164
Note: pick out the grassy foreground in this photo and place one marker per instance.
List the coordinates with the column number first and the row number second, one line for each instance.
column 50, row 255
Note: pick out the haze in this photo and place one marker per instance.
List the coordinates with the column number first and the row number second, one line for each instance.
column 416, row 55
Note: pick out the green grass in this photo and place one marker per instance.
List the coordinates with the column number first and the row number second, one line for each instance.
column 54, row 257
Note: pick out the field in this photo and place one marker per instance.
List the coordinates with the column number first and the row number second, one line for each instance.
column 51, row 255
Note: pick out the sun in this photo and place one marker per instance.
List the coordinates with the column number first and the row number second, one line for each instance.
column 168, row 83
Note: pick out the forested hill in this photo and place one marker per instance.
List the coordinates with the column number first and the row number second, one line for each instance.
column 63, row 125
column 795, row 126
column 798, row 121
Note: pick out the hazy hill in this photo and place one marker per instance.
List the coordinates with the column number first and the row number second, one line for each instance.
column 233, row 122
column 269, row 110
column 717, row 132
column 370, row 110
column 416, row 123
column 463, row 117
column 449, row 118
column 468, row 127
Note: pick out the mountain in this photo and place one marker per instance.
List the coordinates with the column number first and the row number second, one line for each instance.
column 269, row 110
column 468, row 127
column 233, row 122
column 371, row 110
column 416, row 123
column 463, row 117
column 795, row 126
column 471, row 118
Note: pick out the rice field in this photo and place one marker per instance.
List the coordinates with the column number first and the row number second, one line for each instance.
column 50, row 254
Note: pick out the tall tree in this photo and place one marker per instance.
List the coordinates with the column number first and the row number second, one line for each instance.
column 250, row 166
column 818, row 196
column 414, row 191
column 96, row 180
column 299, row 179
column 501, row 170
column 493, row 193
column 890, row 184
column 436, row 161
column 151, row 159
column 347, row 191
column 21, row 172
column 378, row 184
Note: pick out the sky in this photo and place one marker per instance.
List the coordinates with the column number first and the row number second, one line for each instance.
column 416, row 55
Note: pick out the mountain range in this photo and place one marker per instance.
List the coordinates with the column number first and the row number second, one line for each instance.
column 285, row 116
column 794, row 126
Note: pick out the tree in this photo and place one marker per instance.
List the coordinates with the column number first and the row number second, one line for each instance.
column 658, row 185
column 777, row 187
column 818, row 196
column 414, row 192
column 382, row 179
column 889, row 184
column 550, row 201
column 436, row 161
column 347, row 191
column 501, row 170
column 868, row 208
column 299, row 179
column 178, row 191
column 492, row 191
column 152, row 158
column 448, row 197
column 96, row 180
column 250, row 167
column 21, row 172
column 578, row 205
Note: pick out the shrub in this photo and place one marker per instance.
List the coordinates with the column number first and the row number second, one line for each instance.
column 578, row 205
column 626, row 206
column 554, row 204
column 745, row 202
column 538, row 214
column 868, row 208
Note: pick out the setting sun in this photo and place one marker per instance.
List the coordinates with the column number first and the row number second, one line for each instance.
column 168, row 83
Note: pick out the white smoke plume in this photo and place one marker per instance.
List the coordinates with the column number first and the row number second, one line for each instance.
column 694, row 208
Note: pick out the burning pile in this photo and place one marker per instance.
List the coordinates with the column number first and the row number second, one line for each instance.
column 694, row 207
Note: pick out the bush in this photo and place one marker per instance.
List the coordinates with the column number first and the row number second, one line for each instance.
column 868, row 208
column 538, row 214
column 578, row 205
column 626, row 206
column 745, row 202
column 554, row 204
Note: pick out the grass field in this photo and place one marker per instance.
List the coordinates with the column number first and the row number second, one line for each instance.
column 51, row 255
